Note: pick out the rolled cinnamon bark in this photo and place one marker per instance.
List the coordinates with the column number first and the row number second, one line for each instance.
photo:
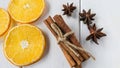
column 68, row 57
column 63, row 26
column 73, row 60
column 77, row 60
column 49, row 21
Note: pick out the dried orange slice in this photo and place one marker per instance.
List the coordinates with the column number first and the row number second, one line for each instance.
column 12, row 24
column 4, row 21
column 24, row 45
column 26, row 11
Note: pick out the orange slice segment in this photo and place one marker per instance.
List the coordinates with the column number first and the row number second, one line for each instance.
column 4, row 21
column 11, row 25
column 26, row 11
column 24, row 45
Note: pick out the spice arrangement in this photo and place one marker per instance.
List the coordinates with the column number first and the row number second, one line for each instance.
column 87, row 18
column 28, row 41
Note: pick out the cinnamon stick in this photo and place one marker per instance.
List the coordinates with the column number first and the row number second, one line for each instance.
column 77, row 60
column 63, row 26
column 80, row 66
column 73, row 60
column 49, row 21
column 68, row 57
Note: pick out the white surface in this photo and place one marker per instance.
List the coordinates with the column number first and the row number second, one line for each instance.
column 53, row 57
column 108, row 16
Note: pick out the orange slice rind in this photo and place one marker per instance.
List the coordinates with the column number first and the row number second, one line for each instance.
column 24, row 45
column 12, row 24
column 26, row 11
column 4, row 21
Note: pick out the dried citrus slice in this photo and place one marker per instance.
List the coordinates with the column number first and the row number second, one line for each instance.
column 24, row 45
column 4, row 21
column 12, row 24
column 26, row 11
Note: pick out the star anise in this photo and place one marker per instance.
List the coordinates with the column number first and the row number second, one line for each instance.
column 95, row 33
column 68, row 9
column 87, row 17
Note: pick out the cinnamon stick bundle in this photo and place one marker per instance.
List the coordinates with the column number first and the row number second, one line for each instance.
column 73, row 60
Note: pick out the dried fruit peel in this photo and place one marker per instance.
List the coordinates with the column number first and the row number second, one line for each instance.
column 24, row 45
column 4, row 21
column 26, row 11
column 12, row 24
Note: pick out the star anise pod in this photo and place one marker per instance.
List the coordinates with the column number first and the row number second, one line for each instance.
column 95, row 33
column 87, row 17
column 68, row 9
